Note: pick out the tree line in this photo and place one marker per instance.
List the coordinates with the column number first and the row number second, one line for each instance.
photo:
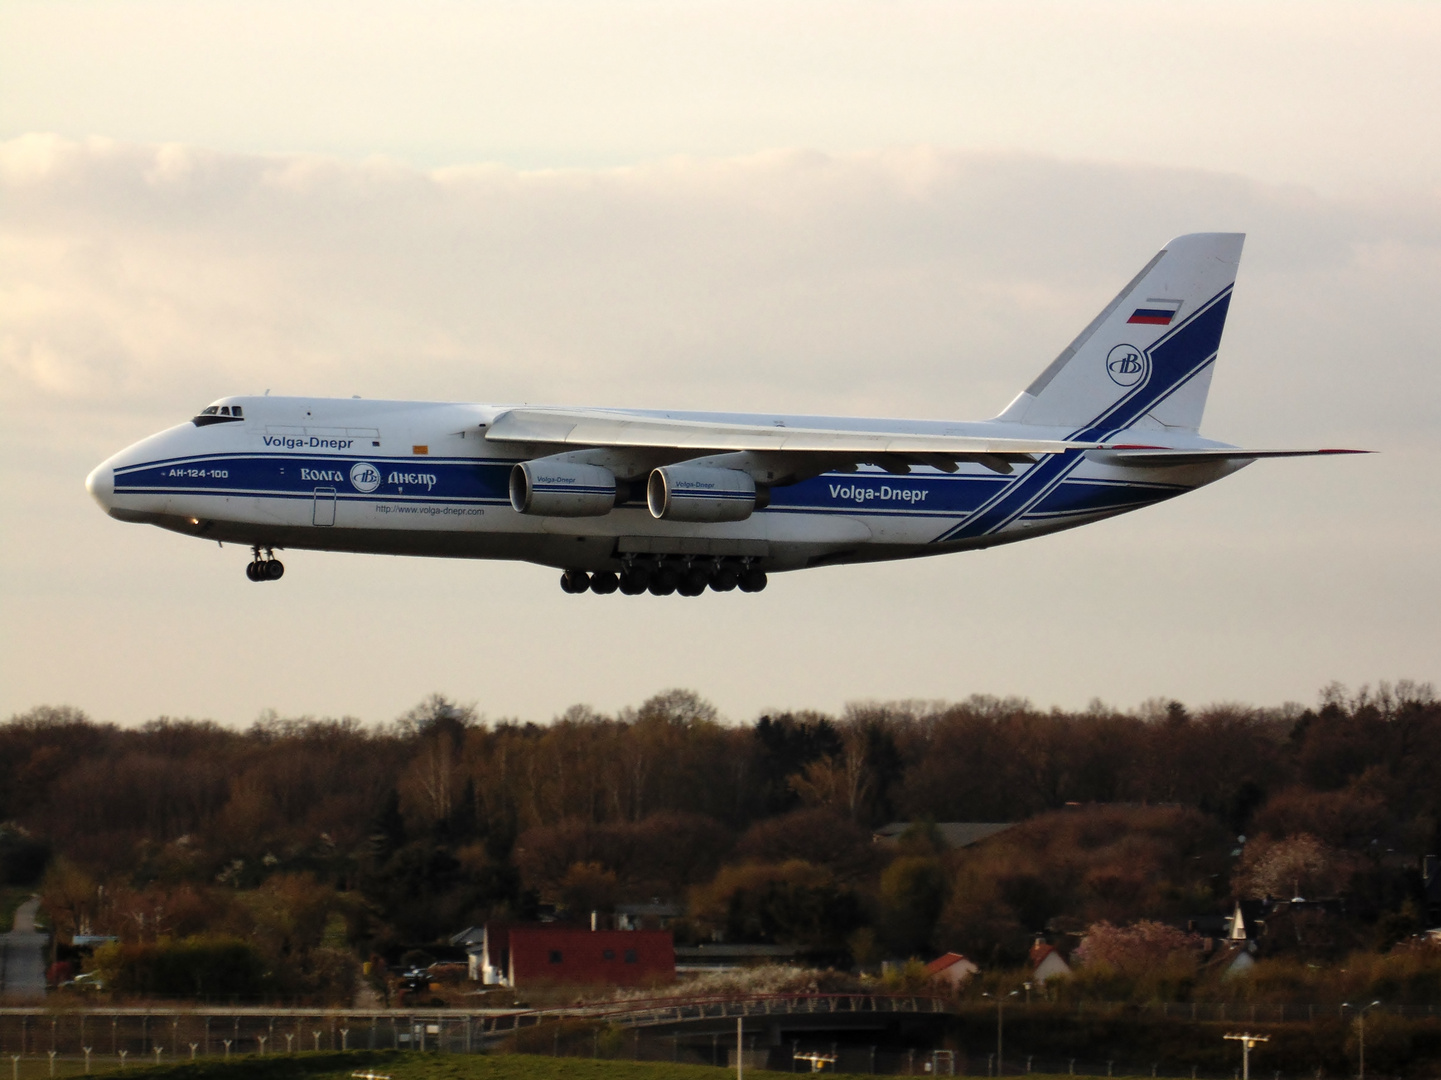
column 325, row 834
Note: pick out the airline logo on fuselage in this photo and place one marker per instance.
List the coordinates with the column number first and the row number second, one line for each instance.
column 364, row 477
column 413, row 479
column 885, row 493
column 312, row 442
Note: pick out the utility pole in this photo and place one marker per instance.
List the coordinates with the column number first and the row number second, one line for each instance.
column 740, row 1056
column 1247, row 1042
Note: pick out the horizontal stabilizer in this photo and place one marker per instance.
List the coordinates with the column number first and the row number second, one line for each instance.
column 1161, row 457
column 586, row 428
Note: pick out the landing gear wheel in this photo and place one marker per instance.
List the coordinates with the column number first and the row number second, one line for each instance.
column 264, row 567
column 693, row 583
column 574, row 581
column 604, row 583
column 753, row 581
column 634, row 582
column 725, row 579
column 664, row 583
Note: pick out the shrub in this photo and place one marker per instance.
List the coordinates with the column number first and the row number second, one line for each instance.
column 194, row 967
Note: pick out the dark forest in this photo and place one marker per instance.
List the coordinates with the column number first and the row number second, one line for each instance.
column 317, row 842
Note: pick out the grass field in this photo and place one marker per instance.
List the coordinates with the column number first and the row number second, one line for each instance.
column 396, row 1065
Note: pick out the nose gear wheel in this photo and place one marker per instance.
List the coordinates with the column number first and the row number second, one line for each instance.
column 266, row 568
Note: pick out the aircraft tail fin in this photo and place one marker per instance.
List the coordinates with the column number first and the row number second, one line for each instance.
column 1146, row 360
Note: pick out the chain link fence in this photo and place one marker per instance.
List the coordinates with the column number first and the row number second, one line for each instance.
column 35, row 1042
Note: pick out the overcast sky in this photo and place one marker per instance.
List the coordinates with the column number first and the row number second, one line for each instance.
column 876, row 208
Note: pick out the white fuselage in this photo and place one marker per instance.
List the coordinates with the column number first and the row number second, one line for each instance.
column 422, row 479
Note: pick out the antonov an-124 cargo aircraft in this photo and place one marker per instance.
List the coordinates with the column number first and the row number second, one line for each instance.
column 667, row 502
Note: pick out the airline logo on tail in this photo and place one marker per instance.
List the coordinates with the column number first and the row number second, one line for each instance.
column 1156, row 312
column 1126, row 365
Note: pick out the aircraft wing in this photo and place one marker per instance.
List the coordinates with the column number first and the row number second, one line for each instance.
column 584, row 428
column 1163, row 457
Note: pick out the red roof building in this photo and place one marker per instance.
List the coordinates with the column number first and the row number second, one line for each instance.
column 951, row 969
column 1047, row 962
column 547, row 954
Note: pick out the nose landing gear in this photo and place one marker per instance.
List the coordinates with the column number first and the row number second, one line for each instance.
column 268, row 568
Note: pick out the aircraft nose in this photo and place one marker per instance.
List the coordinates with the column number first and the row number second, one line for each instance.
column 101, row 484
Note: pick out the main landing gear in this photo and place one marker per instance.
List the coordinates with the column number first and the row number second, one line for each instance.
column 267, row 569
column 661, row 577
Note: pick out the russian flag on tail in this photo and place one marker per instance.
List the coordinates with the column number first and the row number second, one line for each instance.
column 1156, row 312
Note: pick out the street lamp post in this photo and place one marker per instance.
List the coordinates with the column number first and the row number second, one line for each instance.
column 1000, row 1029
column 1361, row 1034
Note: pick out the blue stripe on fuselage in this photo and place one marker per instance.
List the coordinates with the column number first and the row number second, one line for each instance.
column 920, row 494
column 925, row 494
column 1080, row 496
column 282, row 475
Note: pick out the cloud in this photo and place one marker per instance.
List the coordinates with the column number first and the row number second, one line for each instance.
column 138, row 282
column 1333, row 93
column 914, row 279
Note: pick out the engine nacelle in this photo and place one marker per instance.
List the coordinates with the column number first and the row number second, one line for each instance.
column 561, row 489
column 693, row 493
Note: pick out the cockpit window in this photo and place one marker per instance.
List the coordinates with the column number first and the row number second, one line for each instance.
column 217, row 414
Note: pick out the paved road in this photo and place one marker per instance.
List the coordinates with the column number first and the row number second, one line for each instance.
column 22, row 956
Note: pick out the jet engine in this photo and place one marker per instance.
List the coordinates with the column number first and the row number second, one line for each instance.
column 695, row 493
column 561, row 489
